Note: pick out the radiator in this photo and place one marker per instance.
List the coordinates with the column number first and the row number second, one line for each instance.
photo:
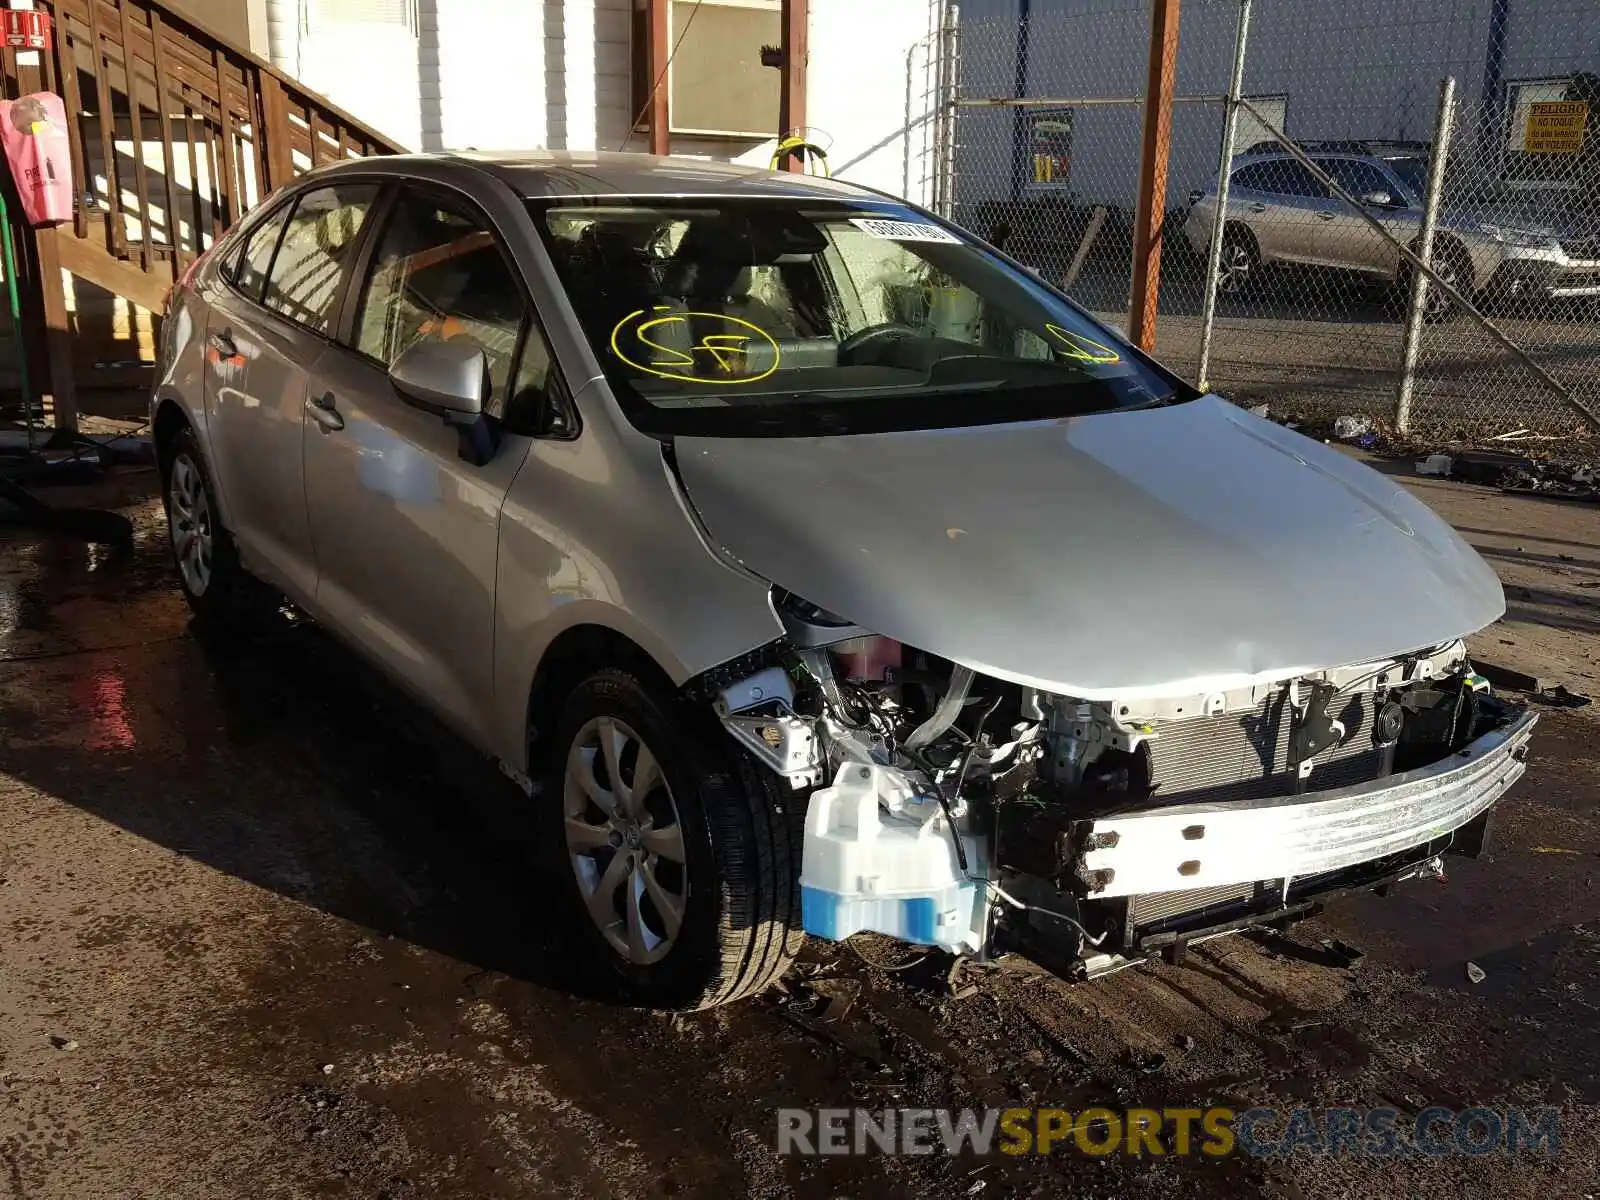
column 1245, row 755
column 1157, row 906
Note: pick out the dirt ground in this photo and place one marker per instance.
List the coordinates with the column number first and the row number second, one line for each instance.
column 265, row 933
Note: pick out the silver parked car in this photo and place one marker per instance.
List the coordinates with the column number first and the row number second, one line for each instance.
column 815, row 568
column 1280, row 214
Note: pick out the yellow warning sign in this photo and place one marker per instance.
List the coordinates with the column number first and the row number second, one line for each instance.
column 1555, row 126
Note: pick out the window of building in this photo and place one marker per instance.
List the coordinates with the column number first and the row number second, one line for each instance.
column 716, row 83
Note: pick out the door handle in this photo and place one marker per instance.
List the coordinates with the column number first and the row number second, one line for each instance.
column 1258, row 207
column 224, row 344
column 1325, row 215
column 322, row 411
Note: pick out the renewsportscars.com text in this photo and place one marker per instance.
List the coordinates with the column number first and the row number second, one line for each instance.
column 1212, row 1132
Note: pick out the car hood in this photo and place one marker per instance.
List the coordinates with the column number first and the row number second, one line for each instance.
column 1158, row 550
column 1540, row 220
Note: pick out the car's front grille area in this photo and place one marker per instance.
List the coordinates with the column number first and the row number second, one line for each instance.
column 1158, row 906
column 1582, row 248
column 1245, row 755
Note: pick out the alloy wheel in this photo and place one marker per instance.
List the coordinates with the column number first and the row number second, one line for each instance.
column 1438, row 303
column 625, row 841
column 1233, row 272
column 189, row 515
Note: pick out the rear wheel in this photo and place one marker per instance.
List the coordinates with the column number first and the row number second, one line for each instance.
column 219, row 590
column 683, row 862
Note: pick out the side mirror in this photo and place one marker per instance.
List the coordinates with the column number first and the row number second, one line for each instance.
column 449, row 379
column 1378, row 200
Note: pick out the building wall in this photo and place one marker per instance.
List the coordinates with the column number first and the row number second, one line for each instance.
column 556, row 74
column 1356, row 68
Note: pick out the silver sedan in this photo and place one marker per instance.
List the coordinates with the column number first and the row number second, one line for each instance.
column 815, row 568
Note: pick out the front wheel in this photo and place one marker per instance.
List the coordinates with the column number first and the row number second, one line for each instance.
column 683, row 862
column 1451, row 264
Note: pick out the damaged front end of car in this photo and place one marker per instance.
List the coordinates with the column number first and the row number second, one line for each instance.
column 950, row 808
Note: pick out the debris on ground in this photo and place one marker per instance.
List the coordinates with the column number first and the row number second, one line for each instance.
column 1559, row 697
column 1435, row 464
column 1351, row 426
column 62, row 1043
column 1476, row 973
column 1184, row 1042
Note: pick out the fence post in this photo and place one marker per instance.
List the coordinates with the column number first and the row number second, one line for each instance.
column 1419, row 279
column 1230, row 130
column 1155, row 147
column 945, row 146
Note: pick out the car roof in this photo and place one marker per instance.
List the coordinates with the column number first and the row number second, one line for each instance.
column 537, row 174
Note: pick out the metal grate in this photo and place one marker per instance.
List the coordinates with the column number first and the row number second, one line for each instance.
column 1157, row 906
column 1245, row 756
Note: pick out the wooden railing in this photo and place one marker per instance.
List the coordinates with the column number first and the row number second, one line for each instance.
column 175, row 132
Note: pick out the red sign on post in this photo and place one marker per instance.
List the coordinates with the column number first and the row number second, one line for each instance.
column 26, row 29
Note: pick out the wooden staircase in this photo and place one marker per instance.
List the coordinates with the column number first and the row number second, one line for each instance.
column 175, row 132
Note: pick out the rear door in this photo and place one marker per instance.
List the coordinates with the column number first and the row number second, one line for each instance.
column 405, row 530
column 267, row 326
column 1293, row 202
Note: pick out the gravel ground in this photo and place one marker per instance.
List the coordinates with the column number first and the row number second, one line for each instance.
column 265, row 932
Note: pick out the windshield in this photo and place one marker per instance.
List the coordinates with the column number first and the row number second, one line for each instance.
column 785, row 316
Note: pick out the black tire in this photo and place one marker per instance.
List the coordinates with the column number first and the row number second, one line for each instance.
column 740, row 926
column 1240, row 267
column 1449, row 260
column 226, row 597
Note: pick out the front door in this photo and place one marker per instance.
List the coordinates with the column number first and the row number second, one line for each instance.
column 405, row 531
column 267, row 326
column 1348, row 241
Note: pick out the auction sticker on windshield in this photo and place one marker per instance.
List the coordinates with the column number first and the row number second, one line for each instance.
column 903, row 231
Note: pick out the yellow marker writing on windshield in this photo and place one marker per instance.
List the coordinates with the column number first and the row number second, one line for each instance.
column 1084, row 349
column 727, row 350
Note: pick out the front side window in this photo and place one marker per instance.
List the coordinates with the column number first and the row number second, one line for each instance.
column 439, row 273
column 1359, row 177
column 316, row 247
column 783, row 316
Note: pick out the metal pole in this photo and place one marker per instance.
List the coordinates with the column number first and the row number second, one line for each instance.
column 1230, row 131
column 1591, row 418
column 1019, row 119
column 1412, row 347
column 1155, row 147
column 905, row 154
column 944, row 149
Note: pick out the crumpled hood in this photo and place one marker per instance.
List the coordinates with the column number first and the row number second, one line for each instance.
column 1194, row 546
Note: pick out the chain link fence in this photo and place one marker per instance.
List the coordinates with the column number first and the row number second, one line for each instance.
column 1034, row 143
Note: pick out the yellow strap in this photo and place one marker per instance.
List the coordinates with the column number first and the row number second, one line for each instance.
column 797, row 144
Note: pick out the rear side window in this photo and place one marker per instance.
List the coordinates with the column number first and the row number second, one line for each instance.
column 1280, row 177
column 250, row 272
column 317, row 245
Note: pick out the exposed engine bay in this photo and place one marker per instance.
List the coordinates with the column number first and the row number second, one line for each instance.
column 950, row 808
